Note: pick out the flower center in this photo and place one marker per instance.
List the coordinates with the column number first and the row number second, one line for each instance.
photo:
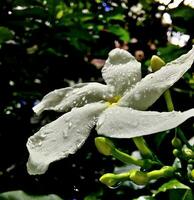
column 113, row 101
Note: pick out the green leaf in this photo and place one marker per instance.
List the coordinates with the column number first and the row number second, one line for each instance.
column 180, row 195
column 170, row 52
column 94, row 195
column 144, row 198
column 120, row 32
column 5, row 34
column 171, row 185
column 19, row 195
column 184, row 12
column 117, row 16
column 33, row 11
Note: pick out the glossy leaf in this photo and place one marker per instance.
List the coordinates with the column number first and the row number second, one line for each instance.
column 171, row 185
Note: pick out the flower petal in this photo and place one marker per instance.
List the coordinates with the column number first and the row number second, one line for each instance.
column 150, row 88
column 63, row 100
column 61, row 137
column 121, row 70
column 122, row 122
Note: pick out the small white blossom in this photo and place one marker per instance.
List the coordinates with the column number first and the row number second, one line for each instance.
column 117, row 108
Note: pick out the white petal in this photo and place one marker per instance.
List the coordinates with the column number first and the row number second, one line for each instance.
column 150, row 88
column 121, row 70
column 63, row 100
column 61, row 137
column 122, row 122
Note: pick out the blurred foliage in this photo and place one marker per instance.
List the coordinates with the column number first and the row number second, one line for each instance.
column 48, row 44
column 18, row 195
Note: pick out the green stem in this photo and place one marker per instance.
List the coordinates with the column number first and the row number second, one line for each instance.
column 127, row 158
column 143, row 147
column 165, row 172
column 168, row 100
column 181, row 135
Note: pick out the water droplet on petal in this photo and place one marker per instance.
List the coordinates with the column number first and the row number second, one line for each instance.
column 39, row 143
column 78, row 131
column 65, row 134
column 70, row 125
column 137, row 96
column 83, row 98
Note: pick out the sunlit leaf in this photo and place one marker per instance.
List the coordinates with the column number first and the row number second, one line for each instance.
column 60, row 14
column 120, row 32
column 117, row 16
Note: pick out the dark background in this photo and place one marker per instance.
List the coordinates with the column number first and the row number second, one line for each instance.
column 43, row 45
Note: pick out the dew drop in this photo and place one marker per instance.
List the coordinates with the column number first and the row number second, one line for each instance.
column 70, row 125
column 115, row 186
column 103, row 96
column 83, row 98
column 53, row 140
column 78, row 131
column 39, row 143
column 137, row 96
column 65, row 134
column 43, row 134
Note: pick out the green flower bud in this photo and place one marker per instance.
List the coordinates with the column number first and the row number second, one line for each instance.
column 188, row 153
column 109, row 179
column 104, row 145
column 138, row 177
column 176, row 143
column 176, row 153
column 156, row 63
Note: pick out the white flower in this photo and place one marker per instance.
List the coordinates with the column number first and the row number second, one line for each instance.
column 117, row 108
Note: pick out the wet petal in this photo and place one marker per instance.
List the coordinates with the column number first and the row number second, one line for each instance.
column 122, row 122
column 63, row 100
column 150, row 88
column 61, row 137
column 121, row 70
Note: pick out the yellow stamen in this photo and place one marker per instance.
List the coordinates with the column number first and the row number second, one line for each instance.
column 113, row 101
